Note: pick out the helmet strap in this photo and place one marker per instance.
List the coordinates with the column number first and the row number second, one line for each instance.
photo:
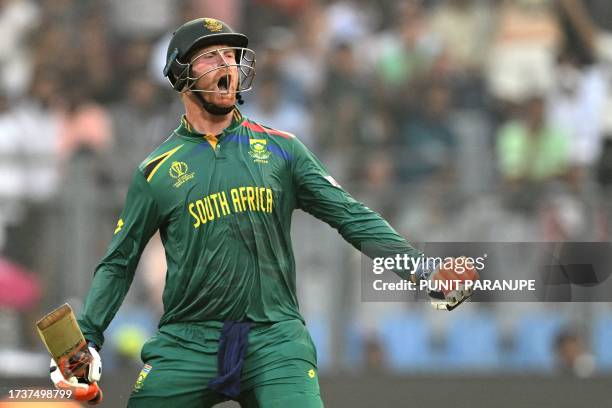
column 211, row 107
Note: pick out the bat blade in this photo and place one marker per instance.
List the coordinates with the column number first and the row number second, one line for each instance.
column 60, row 333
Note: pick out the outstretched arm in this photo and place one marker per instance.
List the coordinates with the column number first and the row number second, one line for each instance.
column 320, row 195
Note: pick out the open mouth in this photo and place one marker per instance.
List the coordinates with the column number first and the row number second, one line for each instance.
column 223, row 83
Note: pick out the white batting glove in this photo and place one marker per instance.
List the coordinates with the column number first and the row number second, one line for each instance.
column 82, row 371
column 446, row 284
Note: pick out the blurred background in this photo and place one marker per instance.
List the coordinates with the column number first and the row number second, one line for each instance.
column 460, row 120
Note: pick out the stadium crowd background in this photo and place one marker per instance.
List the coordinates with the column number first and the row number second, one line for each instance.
column 457, row 120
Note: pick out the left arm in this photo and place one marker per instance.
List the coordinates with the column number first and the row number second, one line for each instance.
column 321, row 196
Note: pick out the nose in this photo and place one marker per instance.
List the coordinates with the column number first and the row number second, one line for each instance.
column 221, row 59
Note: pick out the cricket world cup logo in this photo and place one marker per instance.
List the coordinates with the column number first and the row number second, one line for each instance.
column 178, row 171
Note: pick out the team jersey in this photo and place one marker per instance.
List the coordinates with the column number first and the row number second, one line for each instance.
column 223, row 206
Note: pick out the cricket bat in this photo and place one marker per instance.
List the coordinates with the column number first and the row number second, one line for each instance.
column 60, row 333
column 63, row 338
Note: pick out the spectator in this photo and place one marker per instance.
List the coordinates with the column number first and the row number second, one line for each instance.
column 532, row 153
column 18, row 20
column 344, row 100
column 304, row 64
column 12, row 171
column 126, row 18
column 572, row 356
column 524, row 48
column 96, row 59
column 40, row 116
column 576, row 103
column 277, row 46
column 85, row 125
column 409, row 52
column 531, row 150
column 427, row 139
column 350, row 21
column 464, row 28
column 375, row 358
column 139, row 125
column 63, row 61
column 134, row 59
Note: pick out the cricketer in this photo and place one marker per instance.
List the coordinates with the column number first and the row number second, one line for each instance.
column 221, row 191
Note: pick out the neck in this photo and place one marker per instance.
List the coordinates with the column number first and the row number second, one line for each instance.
column 203, row 121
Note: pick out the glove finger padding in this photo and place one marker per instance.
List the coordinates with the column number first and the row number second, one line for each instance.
column 94, row 372
column 448, row 284
column 84, row 364
column 79, row 375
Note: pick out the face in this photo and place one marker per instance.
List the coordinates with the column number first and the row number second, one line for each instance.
column 217, row 73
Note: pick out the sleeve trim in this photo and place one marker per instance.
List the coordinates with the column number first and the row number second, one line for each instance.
column 154, row 164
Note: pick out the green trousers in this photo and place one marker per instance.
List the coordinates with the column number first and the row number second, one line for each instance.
column 280, row 367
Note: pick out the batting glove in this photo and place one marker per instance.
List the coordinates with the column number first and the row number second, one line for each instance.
column 447, row 284
column 79, row 374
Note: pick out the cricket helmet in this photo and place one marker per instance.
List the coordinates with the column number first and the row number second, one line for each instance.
column 204, row 32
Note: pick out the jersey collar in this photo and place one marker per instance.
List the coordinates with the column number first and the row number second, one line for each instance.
column 185, row 129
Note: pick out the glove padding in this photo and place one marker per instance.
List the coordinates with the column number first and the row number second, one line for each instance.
column 448, row 298
column 79, row 374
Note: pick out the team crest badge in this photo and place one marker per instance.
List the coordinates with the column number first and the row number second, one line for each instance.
column 213, row 25
column 259, row 151
column 179, row 172
column 141, row 377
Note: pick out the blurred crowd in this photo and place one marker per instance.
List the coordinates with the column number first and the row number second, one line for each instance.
column 458, row 120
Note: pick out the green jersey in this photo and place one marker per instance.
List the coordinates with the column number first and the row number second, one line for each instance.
column 223, row 207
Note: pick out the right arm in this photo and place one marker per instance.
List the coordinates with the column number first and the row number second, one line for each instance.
column 139, row 220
